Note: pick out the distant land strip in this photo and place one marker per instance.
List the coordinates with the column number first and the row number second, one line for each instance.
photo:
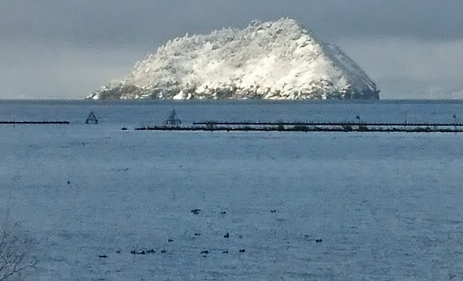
column 33, row 122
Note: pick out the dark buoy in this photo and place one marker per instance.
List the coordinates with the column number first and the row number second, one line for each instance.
column 226, row 235
column 170, row 240
column 242, row 250
column 103, row 256
column 151, row 251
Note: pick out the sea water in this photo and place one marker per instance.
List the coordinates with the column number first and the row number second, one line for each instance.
column 382, row 206
column 134, row 112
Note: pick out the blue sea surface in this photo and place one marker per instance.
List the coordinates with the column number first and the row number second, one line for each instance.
column 154, row 112
column 381, row 206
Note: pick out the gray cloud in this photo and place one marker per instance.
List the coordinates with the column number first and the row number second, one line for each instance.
column 92, row 42
column 124, row 22
column 406, row 68
column 50, row 71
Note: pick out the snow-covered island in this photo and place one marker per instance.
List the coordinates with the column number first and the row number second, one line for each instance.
column 266, row 60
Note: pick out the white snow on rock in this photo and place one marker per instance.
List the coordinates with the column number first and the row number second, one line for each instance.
column 266, row 60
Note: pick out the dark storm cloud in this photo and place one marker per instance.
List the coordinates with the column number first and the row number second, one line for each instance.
column 109, row 22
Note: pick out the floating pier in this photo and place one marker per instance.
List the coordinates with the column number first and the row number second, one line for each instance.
column 313, row 127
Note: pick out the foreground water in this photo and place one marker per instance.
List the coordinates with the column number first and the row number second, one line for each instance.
column 386, row 206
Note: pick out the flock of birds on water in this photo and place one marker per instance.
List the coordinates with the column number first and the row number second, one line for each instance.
column 204, row 253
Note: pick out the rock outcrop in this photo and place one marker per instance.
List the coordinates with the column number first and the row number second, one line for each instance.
column 266, row 60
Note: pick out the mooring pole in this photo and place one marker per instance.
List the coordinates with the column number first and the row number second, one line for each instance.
column 455, row 122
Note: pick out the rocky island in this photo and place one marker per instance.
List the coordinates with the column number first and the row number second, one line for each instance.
column 267, row 60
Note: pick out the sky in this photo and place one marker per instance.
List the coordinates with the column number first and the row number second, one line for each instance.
column 55, row 49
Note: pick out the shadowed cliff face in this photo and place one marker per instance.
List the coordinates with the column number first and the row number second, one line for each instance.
column 269, row 60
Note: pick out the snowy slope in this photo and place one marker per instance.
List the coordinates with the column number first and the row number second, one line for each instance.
column 270, row 60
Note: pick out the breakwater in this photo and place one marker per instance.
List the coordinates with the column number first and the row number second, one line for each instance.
column 33, row 122
column 312, row 127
